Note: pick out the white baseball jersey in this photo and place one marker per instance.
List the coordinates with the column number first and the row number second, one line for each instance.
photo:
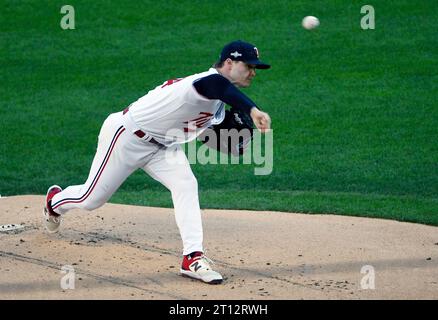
column 175, row 112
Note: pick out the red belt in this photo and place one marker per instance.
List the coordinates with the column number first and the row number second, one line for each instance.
column 141, row 134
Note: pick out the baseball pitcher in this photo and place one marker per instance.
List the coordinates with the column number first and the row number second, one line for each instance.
column 147, row 135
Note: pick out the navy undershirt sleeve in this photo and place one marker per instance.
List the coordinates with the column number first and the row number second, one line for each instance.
column 218, row 87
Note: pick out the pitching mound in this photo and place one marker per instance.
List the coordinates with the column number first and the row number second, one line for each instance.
column 130, row 252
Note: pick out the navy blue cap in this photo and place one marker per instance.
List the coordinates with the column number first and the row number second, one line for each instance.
column 243, row 51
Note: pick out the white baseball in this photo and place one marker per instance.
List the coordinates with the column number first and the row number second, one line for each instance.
column 310, row 22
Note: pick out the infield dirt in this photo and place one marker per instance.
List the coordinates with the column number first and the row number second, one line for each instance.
column 132, row 252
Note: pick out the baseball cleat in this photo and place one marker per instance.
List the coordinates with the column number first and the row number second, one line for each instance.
column 52, row 220
column 197, row 266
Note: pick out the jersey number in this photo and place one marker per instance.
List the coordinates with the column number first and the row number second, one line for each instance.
column 171, row 81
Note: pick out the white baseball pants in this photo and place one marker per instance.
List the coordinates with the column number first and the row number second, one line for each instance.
column 119, row 153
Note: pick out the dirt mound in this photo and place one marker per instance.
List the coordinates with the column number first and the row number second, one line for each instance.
column 132, row 252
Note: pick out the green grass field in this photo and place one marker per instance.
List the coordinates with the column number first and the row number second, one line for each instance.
column 354, row 112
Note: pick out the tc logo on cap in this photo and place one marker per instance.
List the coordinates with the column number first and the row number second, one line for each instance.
column 243, row 51
column 257, row 52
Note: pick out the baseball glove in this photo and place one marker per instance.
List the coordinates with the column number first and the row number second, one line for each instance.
column 231, row 136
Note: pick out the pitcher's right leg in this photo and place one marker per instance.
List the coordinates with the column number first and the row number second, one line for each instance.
column 106, row 175
column 111, row 166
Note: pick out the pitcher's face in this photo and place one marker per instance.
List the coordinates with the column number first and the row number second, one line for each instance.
column 241, row 74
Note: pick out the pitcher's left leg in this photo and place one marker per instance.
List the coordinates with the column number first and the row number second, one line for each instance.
column 171, row 168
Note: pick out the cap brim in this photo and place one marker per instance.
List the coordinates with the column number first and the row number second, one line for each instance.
column 258, row 64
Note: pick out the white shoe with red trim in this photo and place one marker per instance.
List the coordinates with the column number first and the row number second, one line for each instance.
column 197, row 266
column 52, row 220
